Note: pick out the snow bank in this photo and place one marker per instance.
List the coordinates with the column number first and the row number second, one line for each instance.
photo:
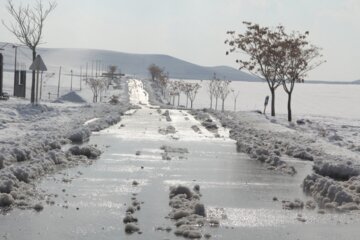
column 32, row 142
column 257, row 143
column 332, row 194
column 336, row 168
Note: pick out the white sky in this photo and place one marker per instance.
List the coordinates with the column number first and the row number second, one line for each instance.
column 195, row 30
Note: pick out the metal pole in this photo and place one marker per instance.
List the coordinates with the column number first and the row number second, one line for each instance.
column 71, row 80
column 96, row 68
column 58, row 90
column 15, row 66
column 86, row 74
column 80, row 76
column 37, row 87
column 1, row 73
column 41, row 83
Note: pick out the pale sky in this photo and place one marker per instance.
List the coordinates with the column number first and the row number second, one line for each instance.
column 195, row 30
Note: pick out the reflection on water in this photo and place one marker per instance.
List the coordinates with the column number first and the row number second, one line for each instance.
column 234, row 188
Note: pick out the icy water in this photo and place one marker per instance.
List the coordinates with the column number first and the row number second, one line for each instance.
column 234, row 188
column 327, row 100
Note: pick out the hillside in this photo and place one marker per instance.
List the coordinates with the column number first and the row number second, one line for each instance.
column 128, row 63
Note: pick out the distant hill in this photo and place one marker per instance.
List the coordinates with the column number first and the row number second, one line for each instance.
column 127, row 62
column 138, row 63
column 356, row 82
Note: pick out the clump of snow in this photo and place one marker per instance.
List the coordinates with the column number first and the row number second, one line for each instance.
column 332, row 194
column 167, row 115
column 171, row 152
column 80, row 135
column 290, row 205
column 1, row 161
column 89, row 151
column 131, row 228
column 336, row 170
column 6, row 200
column 167, row 130
column 38, row 207
column 187, row 212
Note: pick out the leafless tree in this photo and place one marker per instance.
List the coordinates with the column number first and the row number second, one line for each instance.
column 216, row 91
column 235, row 96
column 174, row 91
column 97, row 86
column 163, row 81
column 224, row 90
column 193, row 90
column 260, row 49
column 28, row 26
column 212, row 88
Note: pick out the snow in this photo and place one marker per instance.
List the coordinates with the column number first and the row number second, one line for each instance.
column 275, row 142
column 35, row 138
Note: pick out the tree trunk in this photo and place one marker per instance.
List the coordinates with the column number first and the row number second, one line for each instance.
column 289, row 107
column 178, row 100
column 235, row 105
column 216, row 103
column 223, row 105
column 191, row 104
column 272, row 102
column 32, row 97
column 211, row 100
column 187, row 100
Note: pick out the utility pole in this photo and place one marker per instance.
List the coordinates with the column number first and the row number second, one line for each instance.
column 58, row 90
column 86, row 73
column 41, row 84
column 80, row 76
column 14, row 46
column 71, row 80
column 1, row 73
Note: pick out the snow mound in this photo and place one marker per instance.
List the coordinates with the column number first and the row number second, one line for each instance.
column 31, row 109
column 72, row 97
column 331, row 194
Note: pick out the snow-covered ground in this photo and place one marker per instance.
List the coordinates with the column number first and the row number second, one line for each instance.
column 335, row 183
column 38, row 139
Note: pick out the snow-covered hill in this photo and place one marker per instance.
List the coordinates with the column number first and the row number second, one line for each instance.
column 135, row 64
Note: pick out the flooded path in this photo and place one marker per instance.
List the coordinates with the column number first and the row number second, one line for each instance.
column 91, row 200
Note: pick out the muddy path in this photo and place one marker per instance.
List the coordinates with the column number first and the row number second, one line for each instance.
column 142, row 160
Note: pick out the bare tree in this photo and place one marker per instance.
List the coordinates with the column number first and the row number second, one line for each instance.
column 216, row 91
column 235, row 96
column 97, row 86
column 299, row 57
column 179, row 85
column 163, row 81
column 224, row 91
column 260, row 45
column 193, row 90
column 212, row 88
column 28, row 27
column 173, row 90
column 155, row 71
